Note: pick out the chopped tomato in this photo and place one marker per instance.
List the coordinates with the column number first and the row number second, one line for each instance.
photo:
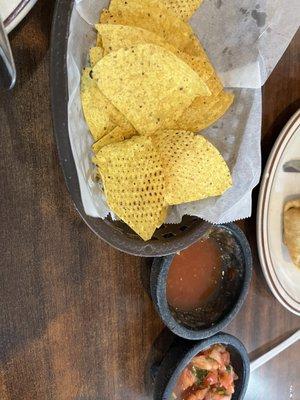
column 226, row 358
column 226, row 381
column 216, row 355
column 211, row 378
column 217, row 396
column 186, row 380
column 219, row 347
column 198, row 394
column 203, row 362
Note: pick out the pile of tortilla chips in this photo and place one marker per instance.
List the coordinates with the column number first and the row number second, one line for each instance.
column 149, row 88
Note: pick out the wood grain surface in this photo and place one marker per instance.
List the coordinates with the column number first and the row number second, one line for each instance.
column 76, row 321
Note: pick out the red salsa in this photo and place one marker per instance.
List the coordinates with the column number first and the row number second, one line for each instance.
column 194, row 275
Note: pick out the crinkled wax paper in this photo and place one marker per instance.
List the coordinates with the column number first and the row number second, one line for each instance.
column 244, row 40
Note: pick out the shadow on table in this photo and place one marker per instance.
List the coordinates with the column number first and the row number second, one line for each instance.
column 145, row 274
column 32, row 36
column 162, row 344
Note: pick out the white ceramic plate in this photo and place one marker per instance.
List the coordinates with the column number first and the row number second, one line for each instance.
column 276, row 188
column 13, row 11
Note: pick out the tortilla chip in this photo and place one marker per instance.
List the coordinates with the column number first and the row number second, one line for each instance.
column 214, row 84
column 184, row 9
column 133, row 182
column 116, row 37
column 95, row 55
column 93, row 105
column 193, row 168
column 149, row 85
column 115, row 136
column 201, row 65
column 204, row 110
column 155, row 17
column 203, row 113
column 100, row 115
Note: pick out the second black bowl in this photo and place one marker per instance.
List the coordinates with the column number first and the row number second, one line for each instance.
column 180, row 355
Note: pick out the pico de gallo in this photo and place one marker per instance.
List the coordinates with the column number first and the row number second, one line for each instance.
column 209, row 376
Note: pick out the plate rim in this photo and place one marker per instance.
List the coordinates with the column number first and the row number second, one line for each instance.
column 287, row 132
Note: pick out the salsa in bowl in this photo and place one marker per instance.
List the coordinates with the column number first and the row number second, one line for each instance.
column 199, row 291
column 216, row 368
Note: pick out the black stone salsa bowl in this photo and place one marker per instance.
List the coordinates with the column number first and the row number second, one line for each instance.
column 219, row 311
column 182, row 353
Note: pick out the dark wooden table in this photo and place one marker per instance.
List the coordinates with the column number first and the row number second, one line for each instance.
column 75, row 320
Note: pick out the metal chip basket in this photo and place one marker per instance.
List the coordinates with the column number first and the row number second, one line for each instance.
column 168, row 239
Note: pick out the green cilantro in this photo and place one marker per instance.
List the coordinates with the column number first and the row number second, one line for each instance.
column 200, row 374
column 221, row 390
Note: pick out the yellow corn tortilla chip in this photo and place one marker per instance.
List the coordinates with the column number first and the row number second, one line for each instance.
column 149, row 85
column 95, row 55
column 100, row 115
column 193, row 168
column 184, row 9
column 115, row 136
column 98, row 41
column 133, row 181
column 214, row 84
column 155, row 17
column 93, row 105
column 201, row 65
column 115, row 37
column 203, row 113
